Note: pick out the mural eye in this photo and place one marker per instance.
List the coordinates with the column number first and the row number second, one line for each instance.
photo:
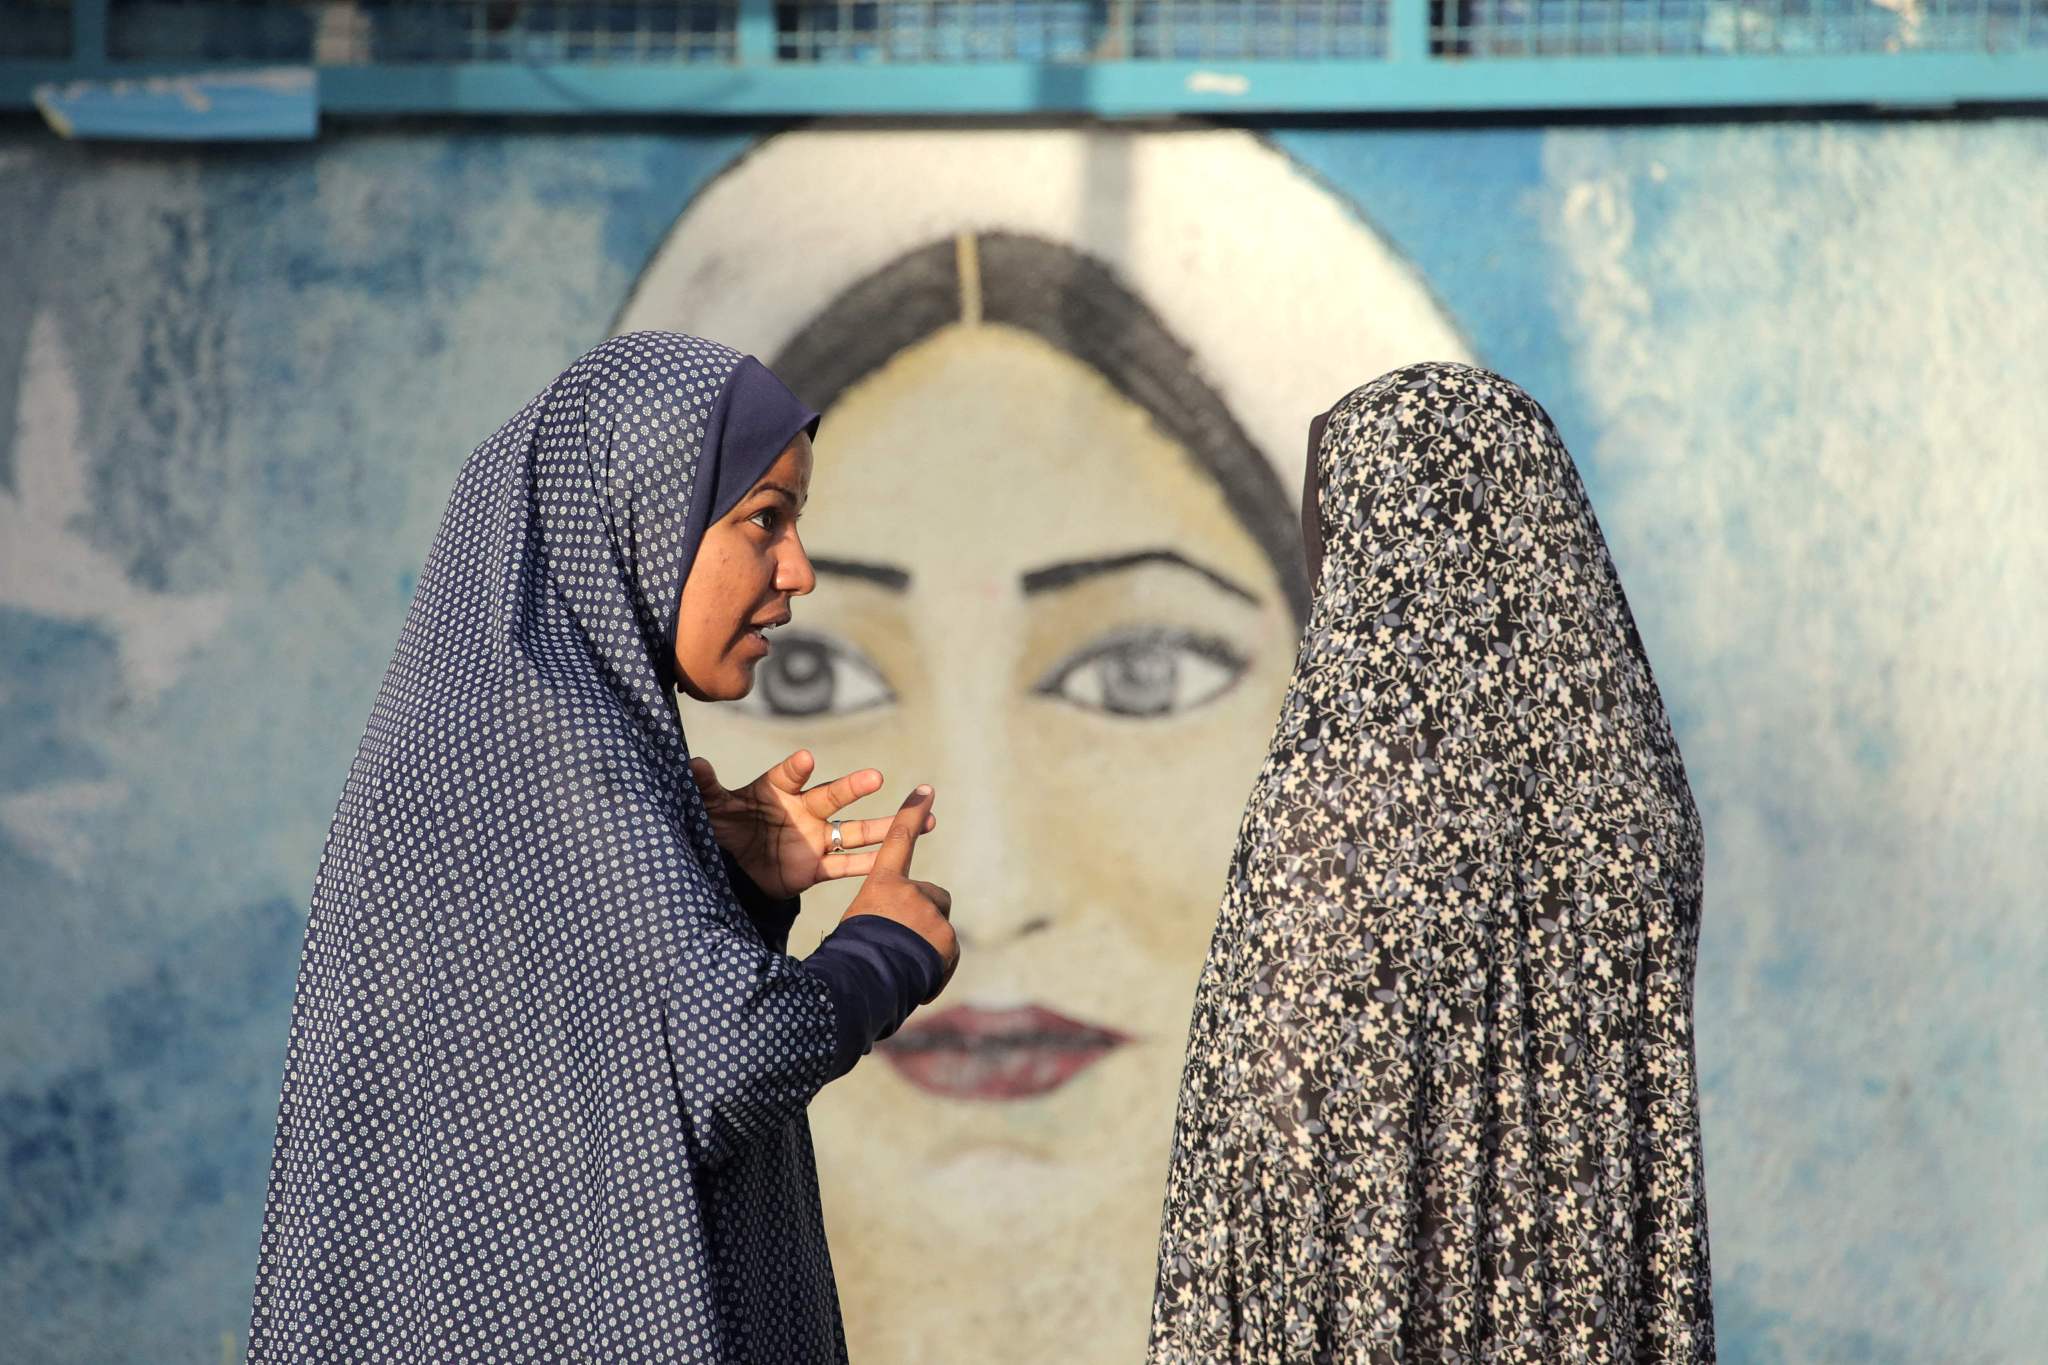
column 814, row 675
column 1146, row 673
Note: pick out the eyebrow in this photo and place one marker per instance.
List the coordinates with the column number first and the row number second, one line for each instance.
column 883, row 575
column 1055, row 576
column 781, row 488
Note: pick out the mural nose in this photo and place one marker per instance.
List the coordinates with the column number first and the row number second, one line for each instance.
column 1000, row 896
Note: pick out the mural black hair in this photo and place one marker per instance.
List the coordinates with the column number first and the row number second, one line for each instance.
column 1077, row 304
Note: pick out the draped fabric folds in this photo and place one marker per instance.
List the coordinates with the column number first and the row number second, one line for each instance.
column 1439, row 1101
column 545, row 1084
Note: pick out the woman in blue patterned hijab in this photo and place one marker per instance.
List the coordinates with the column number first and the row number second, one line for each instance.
column 545, row 1090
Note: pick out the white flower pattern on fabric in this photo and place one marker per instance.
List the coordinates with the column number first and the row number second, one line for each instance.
column 1439, row 1102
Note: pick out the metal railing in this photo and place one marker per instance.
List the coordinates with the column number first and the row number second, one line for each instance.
column 1020, row 56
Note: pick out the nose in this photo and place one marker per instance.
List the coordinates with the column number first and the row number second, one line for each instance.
column 987, row 823
column 793, row 572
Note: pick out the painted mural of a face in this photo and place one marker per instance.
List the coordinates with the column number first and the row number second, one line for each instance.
column 1054, row 521
column 1057, row 582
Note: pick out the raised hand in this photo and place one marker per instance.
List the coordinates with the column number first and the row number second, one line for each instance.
column 890, row 891
column 779, row 831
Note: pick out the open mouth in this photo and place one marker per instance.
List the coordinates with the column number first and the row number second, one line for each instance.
column 1011, row 1054
column 758, row 630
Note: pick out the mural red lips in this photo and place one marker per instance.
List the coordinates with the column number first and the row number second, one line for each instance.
column 981, row 1054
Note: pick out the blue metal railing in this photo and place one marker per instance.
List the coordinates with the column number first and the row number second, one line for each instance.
column 748, row 57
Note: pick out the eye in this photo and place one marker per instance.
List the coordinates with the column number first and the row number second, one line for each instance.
column 768, row 518
column 814, row 675
column 1146, row 673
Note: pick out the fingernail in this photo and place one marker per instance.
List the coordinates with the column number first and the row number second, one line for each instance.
column 923, row 791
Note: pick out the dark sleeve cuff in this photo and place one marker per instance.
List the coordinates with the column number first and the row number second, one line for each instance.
column 771, row 916
column 878, row 972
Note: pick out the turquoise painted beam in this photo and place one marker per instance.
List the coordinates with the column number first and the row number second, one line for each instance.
column 266, row 105
column 1401, row 85
column 1408, row 85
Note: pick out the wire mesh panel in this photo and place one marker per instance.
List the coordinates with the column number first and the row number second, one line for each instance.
column 940, row 30
column 35, row 29
column 1555, row 28
column 354, row 32
column 746, row 58
column 400, row 32
column 367, row 32
column 218, row 30
column 1078, row 31
column 1210, row 30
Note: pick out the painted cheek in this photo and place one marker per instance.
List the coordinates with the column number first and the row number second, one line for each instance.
column 1149, row 808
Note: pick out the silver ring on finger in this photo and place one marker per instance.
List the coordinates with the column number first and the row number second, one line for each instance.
column 838, row 839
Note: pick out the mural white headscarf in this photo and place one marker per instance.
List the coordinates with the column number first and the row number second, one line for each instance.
column 1281, row 293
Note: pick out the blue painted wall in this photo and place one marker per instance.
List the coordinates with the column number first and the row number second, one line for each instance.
column 1799, row 362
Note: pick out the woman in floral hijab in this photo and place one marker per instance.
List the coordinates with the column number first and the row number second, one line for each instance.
column 1440, row 1100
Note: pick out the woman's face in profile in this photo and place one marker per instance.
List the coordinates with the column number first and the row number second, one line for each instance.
column 1033, row 599
column 749, row 566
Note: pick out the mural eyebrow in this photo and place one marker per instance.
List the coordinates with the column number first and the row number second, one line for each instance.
column 884, row 575
column 1055, row 576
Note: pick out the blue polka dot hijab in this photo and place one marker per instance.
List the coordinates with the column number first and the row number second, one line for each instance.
column 544, row 1091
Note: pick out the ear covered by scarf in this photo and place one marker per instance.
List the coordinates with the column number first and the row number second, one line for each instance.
column 1311, row 498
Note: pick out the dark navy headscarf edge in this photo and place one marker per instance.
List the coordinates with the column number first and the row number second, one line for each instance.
column 752, row 423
